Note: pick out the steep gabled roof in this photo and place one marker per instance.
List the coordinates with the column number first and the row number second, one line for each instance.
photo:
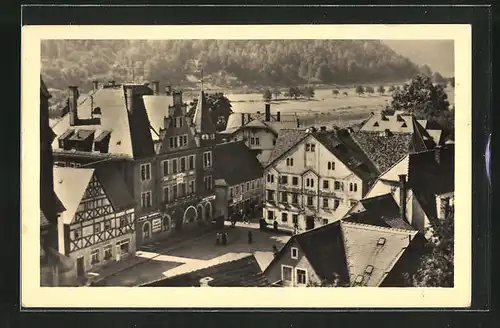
column 287, row 139
column 202, row 119
column 382, row 211
column 242, row 272
column 236, row 163
column 70, row 185
column 115, row 188
column 157, row 109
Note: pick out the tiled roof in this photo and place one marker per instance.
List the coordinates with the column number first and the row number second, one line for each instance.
column 243, row 272
column 130, row 133
column 395, row 123
column 346, row 249
column 384, row 151
column 115, row 188
column 341, row 144
column 202, row 119
column 70, row 185
column 287, row 138
column 382, row 211
column 236, row 163
column 372, row 251
column 234, row 122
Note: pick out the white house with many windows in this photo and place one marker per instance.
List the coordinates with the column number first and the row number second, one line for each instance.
column 314, row 177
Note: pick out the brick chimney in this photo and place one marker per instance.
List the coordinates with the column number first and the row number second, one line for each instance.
column 73, row 105
column 156, row 87
column 95, row 83
column 402, row 196
column 178, row 98
column 268, row 112
column 129, row 96
column 437, row 154
column 278, row 116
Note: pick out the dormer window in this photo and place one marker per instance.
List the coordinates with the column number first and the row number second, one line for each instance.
column 369, row 269
column 376, row 124
column 96, row 111
column 359, row 280
column 381, row 241
column 295, row 253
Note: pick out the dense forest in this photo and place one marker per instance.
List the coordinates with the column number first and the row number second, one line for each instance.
column 225, row 63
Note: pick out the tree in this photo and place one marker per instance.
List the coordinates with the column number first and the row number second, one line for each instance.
column 381, row 90
column 294, row 92
column 359, row 90
column 392, row 89
column 437, row 263
column 276, row 93
column 335, row 92
column 267, row 96
column 438, row 78
column 369, row 89
column 308, row 92
column 426, row 101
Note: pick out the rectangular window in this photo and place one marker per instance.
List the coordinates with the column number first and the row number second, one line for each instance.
column 257, row 141
column 174, row 192
column 94, row 256
column 237, row 189
column 270, row 195
column 184, row 140
column 108, row 252
column 174, row 166
column 325, row 221
column 331, row 166
column 124, row 246
column 208, row 182
column 146, row 199
column 295, row 218
column 270, row 215
column 336, row 203
column 252, row 141
column 192, row 188
column 191, row 162
column 172, row 141
column 231, row 193
column 308, row 147
column 182, row 189
column 97, row 228
column 286, row 273
column 295, row 181
column 295, row 253
column 107, row 225
column 313, row 147
column 270, row 178
column 207, row 159
column 284, row 197
column 337, row 185
column 309, row 201
column 284, row 179
column 295, row 198
column 248, row 186
column 165, row 168
column 123, row 221
column 284, row 217
column 253, row 185
column 166, row 194
column 355, row 187
column 289, row 162
column 326, row 184
column 145, row 171
column 325, row 202
column 78, row 233
column 257, row 183
column 301, row 276
column 180, row 122
column 183, row 164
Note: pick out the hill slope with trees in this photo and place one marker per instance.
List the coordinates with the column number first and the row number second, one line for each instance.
column 226, row 63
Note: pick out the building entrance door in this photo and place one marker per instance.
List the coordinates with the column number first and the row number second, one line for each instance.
column 80, row 267
column 309, row 222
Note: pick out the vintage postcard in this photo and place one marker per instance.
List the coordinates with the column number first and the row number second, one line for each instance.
column 314, row 163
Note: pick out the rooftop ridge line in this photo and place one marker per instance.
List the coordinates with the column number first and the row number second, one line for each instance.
column 374, row 227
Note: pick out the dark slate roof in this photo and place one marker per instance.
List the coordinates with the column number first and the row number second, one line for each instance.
column 382, row 211
column 324, row 249
column 244, row 272
column 115, row 188
column 384, row 151
column 341, row 144
column 287, row 138
column 43, row 220
column 236, row 163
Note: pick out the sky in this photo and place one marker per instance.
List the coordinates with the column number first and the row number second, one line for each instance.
column 437, row 54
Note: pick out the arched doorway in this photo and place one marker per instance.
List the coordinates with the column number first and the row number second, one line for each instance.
column 201, row 212
column 146, row 231
column 190, row 214
column 208, row 211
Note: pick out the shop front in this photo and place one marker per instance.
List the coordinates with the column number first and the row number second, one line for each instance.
column 153, row 227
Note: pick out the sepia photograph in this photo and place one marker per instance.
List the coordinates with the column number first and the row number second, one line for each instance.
column 319, row 161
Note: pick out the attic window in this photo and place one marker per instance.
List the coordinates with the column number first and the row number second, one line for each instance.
column 375, row 124
column 381, row 241
column 359, row 280
column 369, row 269
column 97, row 111
column 404, row 125
column 295, row 253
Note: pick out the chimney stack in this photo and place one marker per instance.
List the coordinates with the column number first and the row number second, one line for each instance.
column 268, row 112
column 249, row 117
column 95, row 83
column 168, row 90
column 129, row 96
column 178, row 98
column 278, row 116
column 156, row 87
column 73, row 105
column 298, row 123
column 437, row 154
column 402, row 196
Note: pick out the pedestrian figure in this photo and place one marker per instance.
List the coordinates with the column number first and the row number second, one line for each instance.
column 275, row 225
column 249, row 237
column 224, row 238
column 275, row 250
column 218, row 238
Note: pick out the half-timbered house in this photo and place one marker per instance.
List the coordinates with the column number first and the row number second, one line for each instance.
column 98, row 225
